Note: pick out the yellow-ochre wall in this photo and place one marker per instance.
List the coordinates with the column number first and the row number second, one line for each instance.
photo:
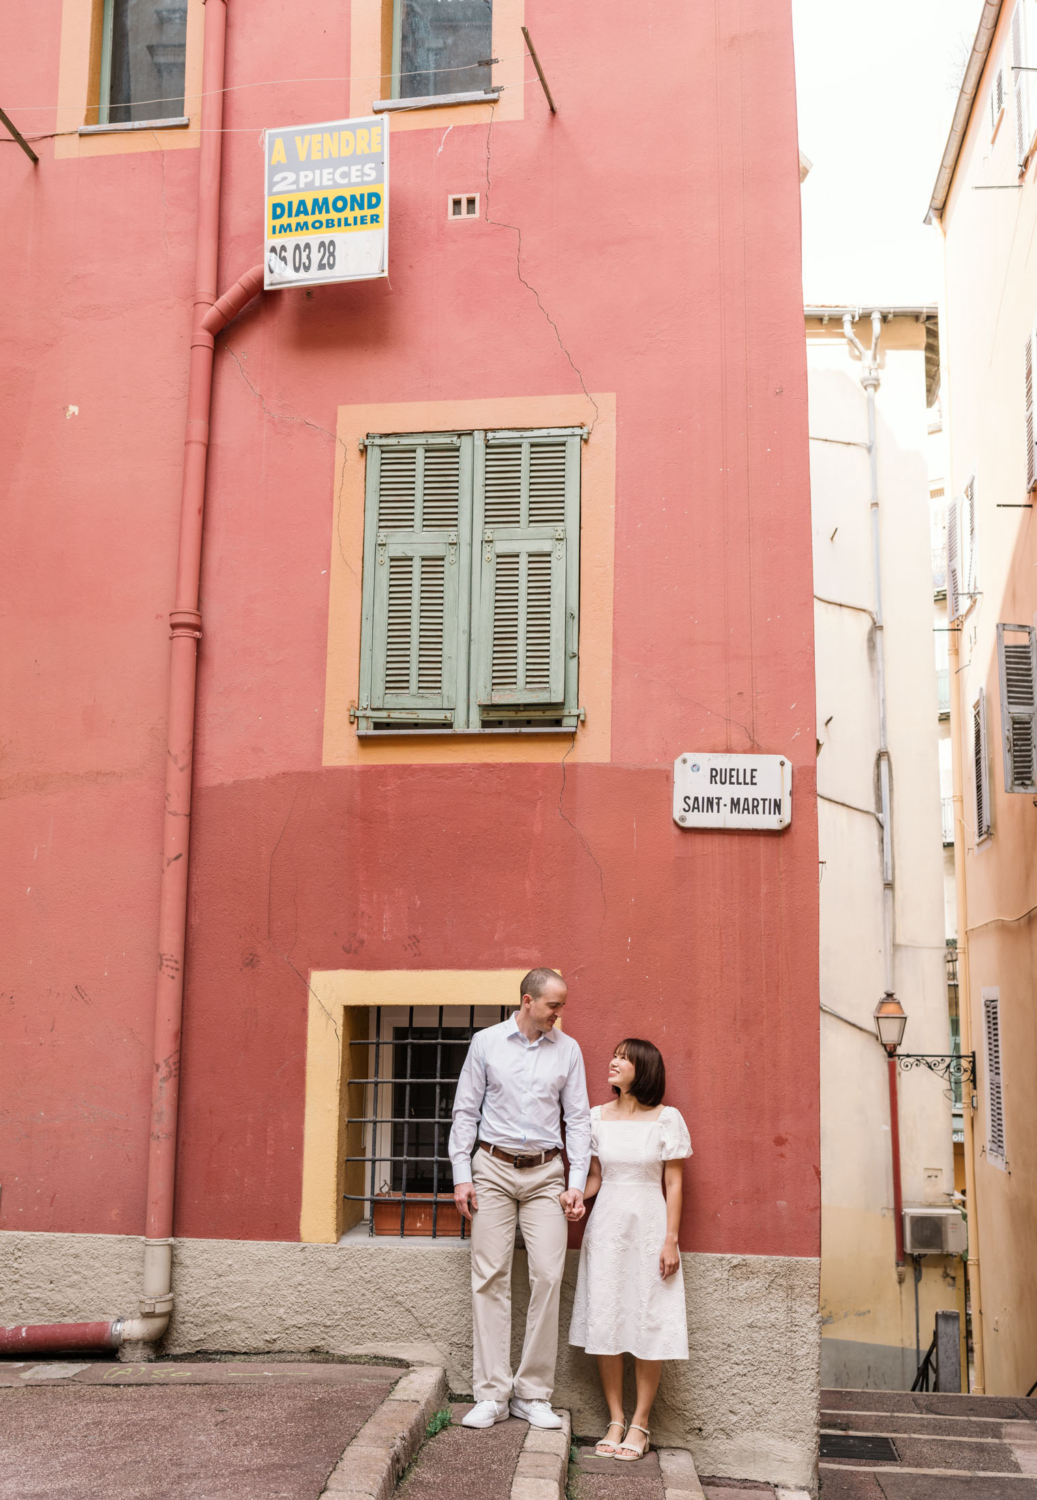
column 990, row 308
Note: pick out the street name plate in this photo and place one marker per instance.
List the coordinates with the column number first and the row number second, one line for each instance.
column 732, row 791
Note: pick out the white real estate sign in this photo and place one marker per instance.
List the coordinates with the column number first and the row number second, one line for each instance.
column 327, row 203
column 732, row 791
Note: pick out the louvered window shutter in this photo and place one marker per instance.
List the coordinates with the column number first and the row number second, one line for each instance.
column 1031, row 435
column 1020, row 85
column 526, row 578
column 968, row 542
column 995, row 1096
column 417, row 512
column 979, row 765
column 1017, row 665
column 953, row 562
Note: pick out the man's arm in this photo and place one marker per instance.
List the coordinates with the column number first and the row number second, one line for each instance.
column 471, row 1087
column 577, row 1115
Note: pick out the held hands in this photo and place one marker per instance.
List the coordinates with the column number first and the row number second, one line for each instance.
column 572, row 1205
column 669, row 1257
column 465, row 1199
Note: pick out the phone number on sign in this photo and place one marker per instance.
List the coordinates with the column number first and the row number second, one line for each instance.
column 300, row 259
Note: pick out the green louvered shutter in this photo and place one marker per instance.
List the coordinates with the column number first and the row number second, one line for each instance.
column 526, row 577
column 417, row 514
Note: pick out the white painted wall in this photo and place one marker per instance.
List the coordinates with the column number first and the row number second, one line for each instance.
column 868, row 1311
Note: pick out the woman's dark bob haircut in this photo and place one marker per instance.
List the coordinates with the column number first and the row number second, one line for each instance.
column 649, row 1083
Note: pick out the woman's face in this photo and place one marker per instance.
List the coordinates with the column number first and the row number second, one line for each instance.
column 621, row 1072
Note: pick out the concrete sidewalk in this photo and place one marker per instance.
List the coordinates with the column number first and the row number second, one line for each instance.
column 220, row 1430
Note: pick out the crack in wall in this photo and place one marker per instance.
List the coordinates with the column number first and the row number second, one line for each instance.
column 501, row 224
column 279, row 416
column 581, row 836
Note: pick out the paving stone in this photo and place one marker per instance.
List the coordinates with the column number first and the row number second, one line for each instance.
column 264, row 1440
column 892, row 1484
column 949, row 1453
column 916, row 1423
column 471, row 1464
column 680, row 1480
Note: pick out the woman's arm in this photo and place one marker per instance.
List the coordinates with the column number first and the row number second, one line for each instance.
column 673, row 1180
column 593, row 1178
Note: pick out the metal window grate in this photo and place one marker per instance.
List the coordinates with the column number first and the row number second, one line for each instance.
column 409, row 1066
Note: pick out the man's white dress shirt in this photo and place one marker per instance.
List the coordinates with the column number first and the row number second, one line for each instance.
column 511, row 1094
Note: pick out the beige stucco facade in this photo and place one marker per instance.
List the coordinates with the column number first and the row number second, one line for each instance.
column 874, row 1315
column 988, row 214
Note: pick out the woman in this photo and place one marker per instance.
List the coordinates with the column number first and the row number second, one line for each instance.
column 629, row 1291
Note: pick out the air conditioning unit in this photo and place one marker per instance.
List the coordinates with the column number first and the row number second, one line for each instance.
column 934, row 1231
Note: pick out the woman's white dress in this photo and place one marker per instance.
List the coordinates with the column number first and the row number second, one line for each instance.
column 622, row 1304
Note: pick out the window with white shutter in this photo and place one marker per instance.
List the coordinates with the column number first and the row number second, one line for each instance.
column 995, row 1096
column 953, row 562
column 997, row 95
column 980, row 774
column 471, row 582
column 1017, row 668
column 1021, row 82
column 967, row 524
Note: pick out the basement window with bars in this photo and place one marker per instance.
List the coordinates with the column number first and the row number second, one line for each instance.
column 471, row 582
column 401, row 1096
column 1017, row 669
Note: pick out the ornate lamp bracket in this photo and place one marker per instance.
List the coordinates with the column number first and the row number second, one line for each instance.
column 953, row 1067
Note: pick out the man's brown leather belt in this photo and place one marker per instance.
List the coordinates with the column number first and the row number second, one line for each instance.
column 537, row 1159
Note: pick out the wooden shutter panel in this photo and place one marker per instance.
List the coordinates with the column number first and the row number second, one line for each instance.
column 967, row 575
column 416, row 513
column 995, row 1096
column 979, row 765
column 953, row 562
column 1031, row 435
column 1017, row 666
column 528, row 538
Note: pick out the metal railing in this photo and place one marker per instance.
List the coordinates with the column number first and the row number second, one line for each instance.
column 404, row 1101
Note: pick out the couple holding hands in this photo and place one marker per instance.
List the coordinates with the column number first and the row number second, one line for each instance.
column 519, row 1079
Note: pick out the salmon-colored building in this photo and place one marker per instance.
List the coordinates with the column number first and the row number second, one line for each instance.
column 488, row 543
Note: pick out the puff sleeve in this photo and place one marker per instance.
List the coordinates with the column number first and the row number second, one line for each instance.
column 674, row 1140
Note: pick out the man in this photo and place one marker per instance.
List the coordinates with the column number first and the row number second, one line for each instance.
column 517, row 1081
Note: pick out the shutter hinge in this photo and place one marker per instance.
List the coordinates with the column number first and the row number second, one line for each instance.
column 452, row 544
column 381, row 549
column 487, row 537
column 362, row 444
column 559, row 540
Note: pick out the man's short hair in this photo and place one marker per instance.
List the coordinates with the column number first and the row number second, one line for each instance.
column 536, row 981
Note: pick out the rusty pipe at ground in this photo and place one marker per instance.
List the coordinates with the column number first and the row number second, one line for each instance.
column 209, row 316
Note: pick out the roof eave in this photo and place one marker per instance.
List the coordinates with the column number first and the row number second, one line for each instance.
column 963, row 109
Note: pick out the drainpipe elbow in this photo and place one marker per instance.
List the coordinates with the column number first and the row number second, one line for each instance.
column 230, row 304
column 143, row 1330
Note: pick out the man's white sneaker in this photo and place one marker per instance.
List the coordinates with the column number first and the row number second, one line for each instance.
column 485, row 1413
column 536, row 1413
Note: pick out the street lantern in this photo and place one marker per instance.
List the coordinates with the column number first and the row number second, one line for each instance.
column 890, row 1021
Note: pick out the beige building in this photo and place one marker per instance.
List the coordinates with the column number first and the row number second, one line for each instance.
column 985, row 202
column 883, row 918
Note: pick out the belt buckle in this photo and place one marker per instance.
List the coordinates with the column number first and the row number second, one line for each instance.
column 521, row 1162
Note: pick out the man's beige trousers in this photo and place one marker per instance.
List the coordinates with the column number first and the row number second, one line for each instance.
column 531, row 1195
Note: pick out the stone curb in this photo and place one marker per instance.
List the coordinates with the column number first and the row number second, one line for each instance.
column 680, row 1480
column 388, row 1440
column 543, row 1464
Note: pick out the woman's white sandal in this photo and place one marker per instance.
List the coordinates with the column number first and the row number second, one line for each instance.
column 622, row 1449
column 606, row 1448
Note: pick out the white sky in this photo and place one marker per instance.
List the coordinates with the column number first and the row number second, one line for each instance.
column 876, row 82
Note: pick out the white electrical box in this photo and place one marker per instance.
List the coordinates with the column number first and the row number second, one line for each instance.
column 934, row 1231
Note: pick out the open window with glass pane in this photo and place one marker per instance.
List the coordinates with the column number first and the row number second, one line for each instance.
column 401, row 1095
column 441, row 47
column 143, row 53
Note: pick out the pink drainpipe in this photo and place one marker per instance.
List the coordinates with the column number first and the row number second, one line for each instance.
column 210, row 316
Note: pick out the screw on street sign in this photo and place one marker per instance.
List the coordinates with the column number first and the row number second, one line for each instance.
column 732, row 791
column 327, row 203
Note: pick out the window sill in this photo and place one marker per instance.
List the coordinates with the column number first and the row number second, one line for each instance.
column 471, row 734
column 436, row 101
column 177, row 122
column 360, row 1235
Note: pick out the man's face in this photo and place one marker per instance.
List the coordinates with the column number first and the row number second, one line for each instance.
column 547, row 1007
